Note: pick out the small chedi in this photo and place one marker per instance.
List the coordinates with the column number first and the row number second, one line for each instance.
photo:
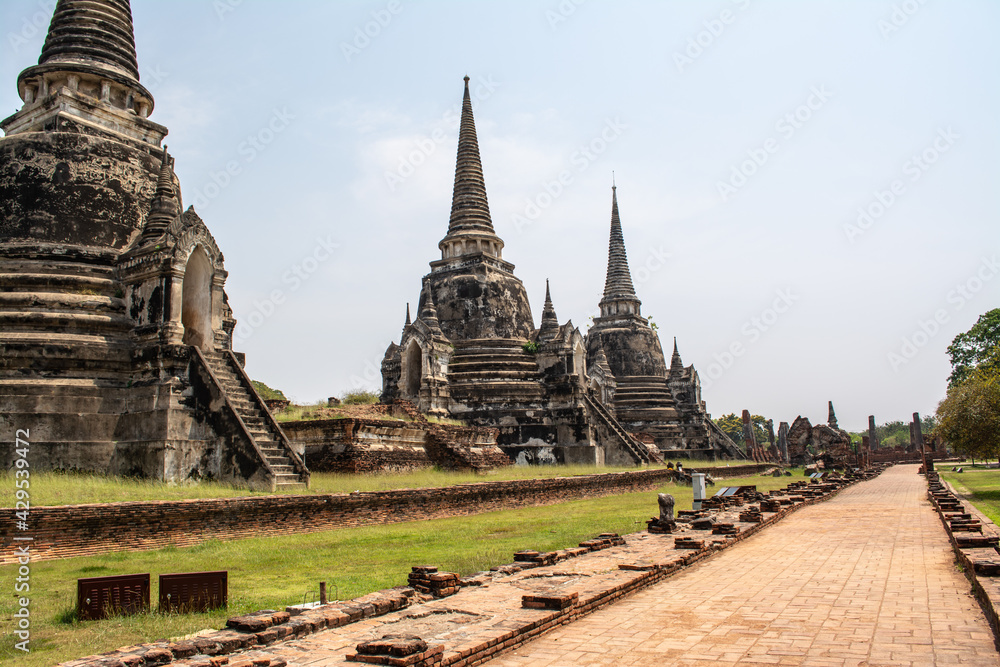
column 473, row 353
column 114, row 323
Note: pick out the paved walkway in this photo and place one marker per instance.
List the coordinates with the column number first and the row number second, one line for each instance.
column 866, row 578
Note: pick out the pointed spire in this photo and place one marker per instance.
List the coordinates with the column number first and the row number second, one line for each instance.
column 601, row 359
column 550, row 323
column 163, row 210
column 675, row 361
column 407, row 324
column 428, row 311
column 470, row 210
column 831, row 415
column 618, row 284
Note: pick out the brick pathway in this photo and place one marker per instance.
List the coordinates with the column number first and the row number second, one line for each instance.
column 866, row 578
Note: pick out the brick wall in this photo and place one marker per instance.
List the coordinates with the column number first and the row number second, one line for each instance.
column 77, row 530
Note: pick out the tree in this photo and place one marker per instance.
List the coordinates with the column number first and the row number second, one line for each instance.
column 732, row 425
column 975, row 347
column 969, row 416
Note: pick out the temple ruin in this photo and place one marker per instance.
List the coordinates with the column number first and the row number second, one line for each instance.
column 115, row 329
column 474, row 354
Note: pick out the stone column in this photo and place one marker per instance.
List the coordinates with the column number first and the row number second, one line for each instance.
column 783, row 441
column 919, row 437
column 771, row 449
column 872, row 440
column 749, row 438
column 173, row 329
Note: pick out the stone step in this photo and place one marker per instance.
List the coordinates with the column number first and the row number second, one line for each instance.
column 35, row 338
column 56, row 282
column 644, row 401
column 493, row 375
column 57, row 267
column 60, row 302
column 72, row 322
column 506, row 366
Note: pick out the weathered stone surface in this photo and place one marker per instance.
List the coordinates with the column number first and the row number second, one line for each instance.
column 114, row 321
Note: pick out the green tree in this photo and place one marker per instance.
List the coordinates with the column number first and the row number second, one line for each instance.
column 732, row 425
column 975, row 347
column 969, row 416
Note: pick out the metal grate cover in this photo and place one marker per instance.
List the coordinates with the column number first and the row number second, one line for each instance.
column 101, row 597
column 194, row 591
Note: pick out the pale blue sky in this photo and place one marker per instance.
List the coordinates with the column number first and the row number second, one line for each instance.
column 338, row 130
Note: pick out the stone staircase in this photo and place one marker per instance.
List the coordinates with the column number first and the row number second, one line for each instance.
column 643, row 393
column 722, row 439
column 493, row 369
column 64, row 353
column 62, row 318
column 639, row 452
column 288, row 470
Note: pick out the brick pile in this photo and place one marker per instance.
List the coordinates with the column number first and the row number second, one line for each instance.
column 426, row 579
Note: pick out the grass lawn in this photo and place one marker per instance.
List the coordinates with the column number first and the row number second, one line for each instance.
column 272, row 572
column 54, row 488
column 981, row 485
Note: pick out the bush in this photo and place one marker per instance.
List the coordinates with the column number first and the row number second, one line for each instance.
column 360, row 398
column 267, row 393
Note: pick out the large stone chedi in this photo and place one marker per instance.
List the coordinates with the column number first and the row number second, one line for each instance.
column 115, row 333
column 474, row 354
column 662, row 403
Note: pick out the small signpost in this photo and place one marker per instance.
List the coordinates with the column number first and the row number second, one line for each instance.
column 698, row 488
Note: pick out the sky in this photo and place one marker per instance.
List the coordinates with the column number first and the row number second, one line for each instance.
column 808, row 190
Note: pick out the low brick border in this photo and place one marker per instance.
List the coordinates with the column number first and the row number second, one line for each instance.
column 981, row 565
column 254, row 632
column 68, row 531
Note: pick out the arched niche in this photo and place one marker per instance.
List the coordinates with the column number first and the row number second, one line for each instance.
column 196, row 300
column 413, row 369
